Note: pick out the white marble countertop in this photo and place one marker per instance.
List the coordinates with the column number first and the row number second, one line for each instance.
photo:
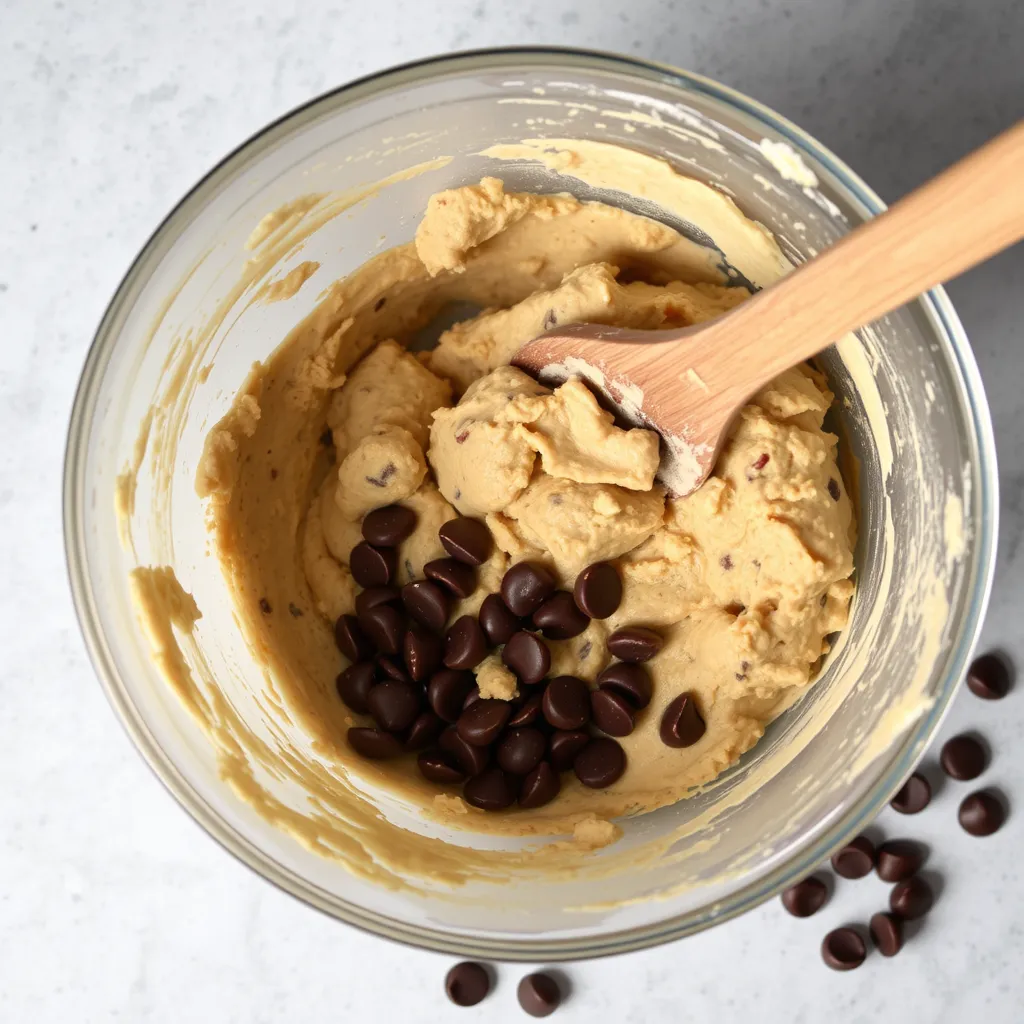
column 114, row 906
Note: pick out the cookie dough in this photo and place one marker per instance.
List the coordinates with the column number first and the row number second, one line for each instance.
column 746, row 579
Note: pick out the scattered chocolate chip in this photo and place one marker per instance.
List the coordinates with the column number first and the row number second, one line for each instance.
column 374, row 596
column 855, row 859
column 681, row 724
column 538, row 994
column 528, row 656
column 911, row 899
column 491, row 790
column 612, row 712
column 392, row 668
column 566, row 703
column 265, row 606
column 472, row 697
column 843, row 949
column 497, row 622
column 833, row 488
column 886, row 933
column 467, row 983
column 540, row 786
column 379, row 304
column 374, row 743
column 564, row 746
column 806, row 897
column 898, row 859
column 468, row 540
column 472, row 760
column 351, row 640
column 372, row 567
column 520, row 750
column 423, row 652
column 526, row 586
column 635, row 643
column 482, row 722
column 427, row 603
column 385, row 626
column 424, row 730
column 464, row 643
column 629, row 681
column 394, row 705
column 437, row 767
column 981, row 814
column 914, row 797
column 447, row 692
column 458, row 577
column 598, row 590
column 963, row 758
column 558, row 618
column 354, row 685
column 600, row 763
column 989, row 677
column 387, row 527
column 527, row 713
column 294, row 610
column 725, row 562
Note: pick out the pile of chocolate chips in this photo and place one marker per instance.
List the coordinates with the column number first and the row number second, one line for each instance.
column 412, row 672
column 898, row 861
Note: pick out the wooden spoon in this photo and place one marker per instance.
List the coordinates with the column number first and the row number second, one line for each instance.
column 688, row 384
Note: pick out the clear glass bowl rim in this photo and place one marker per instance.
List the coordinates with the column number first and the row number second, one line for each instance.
column 531, row 949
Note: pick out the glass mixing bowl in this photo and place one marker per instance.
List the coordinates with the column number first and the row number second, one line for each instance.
column 913, row 418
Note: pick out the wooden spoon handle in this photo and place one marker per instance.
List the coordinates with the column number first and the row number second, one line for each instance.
column 956, row 220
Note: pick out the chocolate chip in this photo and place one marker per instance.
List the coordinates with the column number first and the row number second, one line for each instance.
column 379, row 304
column 911, row 899
column 491, row 790
column 385, row 625
column 566, row 703
column 467, row 983
column 437, row 767
column 886, row 933
column 527, row 713
column 914, row 797
column 558, row 618
column 391, row 668
column 598, row 590
column 681, row 724
column 612, row 713
column 468, row 540
column 482, row 722
column 354, row 685
column 394, row 705
column 600, row 763
column 497, row 622
column 351, row 640
column 387, row 527
column 520, row 750
column 296, row 612
column 464, row 643
column 427, row 603
column 456, row 576
column 540, row 787
column 806, row 897
column 833, row 488
column 372, row 567
column 386, row 473
column 898, row 859
column 635, row 643
column 447, row 692
column 855, row 859
column 472, row 697
column 963, row 758
column 629, row 681
column 472, row 760
column 843, row 949
column 981, row 814
column 265, row 606
column 374, row 743
column 526, row 586
column 538, row 995
column 423, row 652
column 374, row 596
column 564, row 746
column 424, row 730
column 528, row 656
column 989, row 677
